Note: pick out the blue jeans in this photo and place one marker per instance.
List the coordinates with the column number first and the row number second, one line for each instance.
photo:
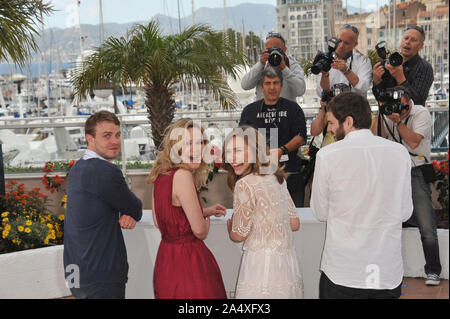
column 100, row 291
column 425, row 219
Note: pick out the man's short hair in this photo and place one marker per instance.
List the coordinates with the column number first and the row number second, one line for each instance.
column 351, row 27
column 97, row 117
column 406, row 92
column 417, row 28
column 275, row 35
column 354, row 105
column 271, row 73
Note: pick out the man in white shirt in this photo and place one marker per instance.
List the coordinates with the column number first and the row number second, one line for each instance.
column 293, row 75
column 412, row 129
column 351, row 68
column 362, row 189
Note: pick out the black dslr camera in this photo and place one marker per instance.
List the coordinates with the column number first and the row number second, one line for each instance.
column 394, row 59
column 323, row 61
column 276, row 55
column 393, row 101
column 335, row 90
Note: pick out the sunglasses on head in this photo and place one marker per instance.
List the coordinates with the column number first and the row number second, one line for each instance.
column 418, row 28
column 353, row 28
column 275, row 35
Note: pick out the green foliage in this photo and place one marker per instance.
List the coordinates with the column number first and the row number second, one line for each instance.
column 19, row 24
column 25, row 222
column 306, row 66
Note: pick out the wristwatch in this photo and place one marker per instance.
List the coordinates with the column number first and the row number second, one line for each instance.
column 347, row 71
column 284, row 150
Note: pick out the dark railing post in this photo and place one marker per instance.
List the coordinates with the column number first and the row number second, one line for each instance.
column 2, row 180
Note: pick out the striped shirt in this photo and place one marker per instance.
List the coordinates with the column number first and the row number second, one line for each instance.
column 419, row 78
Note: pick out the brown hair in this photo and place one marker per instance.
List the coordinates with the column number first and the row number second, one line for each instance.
column 406, row 92
column 257, row 145
column 97, row 117
column 354, row 105
column 164, row 163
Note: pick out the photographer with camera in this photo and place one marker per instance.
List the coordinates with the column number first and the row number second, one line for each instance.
column 340, row 70
column 401, row 120
column 414, row 73
column 348, row 67
column 275, row 56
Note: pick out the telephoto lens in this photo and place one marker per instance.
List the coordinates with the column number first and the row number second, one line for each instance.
column 275, row 56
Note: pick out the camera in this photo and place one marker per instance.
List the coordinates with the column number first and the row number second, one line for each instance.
column 322, row 60
column 275, row 56
column 394, row 59
column 393, row 101
column 336, row 89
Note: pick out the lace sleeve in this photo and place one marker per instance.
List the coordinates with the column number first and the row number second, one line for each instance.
column 292, row 210
column 243, row 204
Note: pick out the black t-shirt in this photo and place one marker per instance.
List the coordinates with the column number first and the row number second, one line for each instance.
column 289, row 120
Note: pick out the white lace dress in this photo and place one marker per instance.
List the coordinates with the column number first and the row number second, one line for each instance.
column 269, row 266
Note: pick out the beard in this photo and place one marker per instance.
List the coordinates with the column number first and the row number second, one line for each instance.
column 340, row 133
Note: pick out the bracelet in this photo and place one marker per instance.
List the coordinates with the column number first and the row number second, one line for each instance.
column 284, row 150
column 347, row 71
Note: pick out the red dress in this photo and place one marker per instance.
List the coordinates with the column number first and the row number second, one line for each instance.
column 185, row 268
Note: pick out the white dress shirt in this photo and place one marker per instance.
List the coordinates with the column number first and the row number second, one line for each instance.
column 361, row 66
column 293, row 80
column 91, row 154
column 362, row 189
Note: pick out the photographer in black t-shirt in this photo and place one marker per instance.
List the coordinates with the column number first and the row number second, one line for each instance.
column 275, row 112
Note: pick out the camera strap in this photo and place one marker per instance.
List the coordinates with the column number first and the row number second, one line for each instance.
column 350, row 67
column 393, row 128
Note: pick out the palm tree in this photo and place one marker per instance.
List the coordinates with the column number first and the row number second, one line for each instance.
column 18, row 27
column 198, row 55
column 19, row 24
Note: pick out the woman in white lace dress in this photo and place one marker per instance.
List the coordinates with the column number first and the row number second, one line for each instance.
column 264, row 217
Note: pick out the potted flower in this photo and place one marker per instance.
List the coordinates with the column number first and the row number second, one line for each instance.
column 442, row 170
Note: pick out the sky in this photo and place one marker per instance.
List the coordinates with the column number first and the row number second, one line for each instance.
column 125, row 11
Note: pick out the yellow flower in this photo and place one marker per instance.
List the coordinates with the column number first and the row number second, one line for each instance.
column 64, row 199
column 61, row 217
column 28, row 223
column 20, row 228
column 46, row 241
column 5, row 214
column 50, row 226
column 5, row 234
column 8, row 227
column 27, row 230
column 5, row 220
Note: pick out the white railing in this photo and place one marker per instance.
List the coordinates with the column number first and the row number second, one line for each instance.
column 225, row 119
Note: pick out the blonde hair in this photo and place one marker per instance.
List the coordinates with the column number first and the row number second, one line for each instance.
column 255, row 145
column 164, row 163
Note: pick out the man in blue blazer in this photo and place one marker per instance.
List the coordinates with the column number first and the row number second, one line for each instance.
column 99, row 204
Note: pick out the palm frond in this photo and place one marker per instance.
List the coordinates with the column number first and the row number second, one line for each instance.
column 19, row 24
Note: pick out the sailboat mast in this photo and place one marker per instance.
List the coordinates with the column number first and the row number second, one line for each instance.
column 101, row 29
column 224, row 16
column 179, row 17
column 193, row 13
column 79, row 26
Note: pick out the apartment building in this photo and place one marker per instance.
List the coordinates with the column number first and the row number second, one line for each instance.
column 307, row 24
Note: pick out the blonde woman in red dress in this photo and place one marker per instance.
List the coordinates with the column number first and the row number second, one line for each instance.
column 185, row 268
